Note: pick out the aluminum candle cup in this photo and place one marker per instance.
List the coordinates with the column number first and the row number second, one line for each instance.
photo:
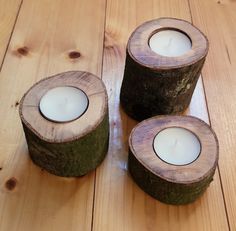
column 173, row 158
column 65, row 119
column 164, row 59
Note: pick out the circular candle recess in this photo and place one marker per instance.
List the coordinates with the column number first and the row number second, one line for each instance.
column 170, row 43
column 169, row 182
column 164, row 59
column 65, row 120
column 63, row 104
column 173, row 144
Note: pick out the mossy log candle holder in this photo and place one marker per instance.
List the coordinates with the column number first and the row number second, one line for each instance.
column 173, row 182
column 66, row 148
column 158, row 83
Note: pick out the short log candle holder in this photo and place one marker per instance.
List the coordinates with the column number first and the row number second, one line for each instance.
column 65, row 120
column 173, row 158
column 164, row 59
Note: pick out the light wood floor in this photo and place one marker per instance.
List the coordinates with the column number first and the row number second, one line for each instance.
column 36, row 38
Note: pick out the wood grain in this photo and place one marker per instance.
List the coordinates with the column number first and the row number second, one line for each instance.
column 220, row 83
column 138, row 46
column 8, row 14
column 49, row 37
column 119, row 203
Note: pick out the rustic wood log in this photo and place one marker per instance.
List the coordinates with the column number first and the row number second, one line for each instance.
column 170, row 183
column 71, row 148
column 154, row 84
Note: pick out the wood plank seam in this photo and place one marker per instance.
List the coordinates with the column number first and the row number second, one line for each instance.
column 209, row 117
column 101, row 74
column 94, row 192
column 13, row 28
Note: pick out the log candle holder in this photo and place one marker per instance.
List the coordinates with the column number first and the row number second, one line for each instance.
column 161, row 170
column 164, row 59
column 66, row 146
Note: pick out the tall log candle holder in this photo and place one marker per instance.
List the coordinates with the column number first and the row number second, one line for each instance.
column 173, row 158
column 164, row 59
column 65, row 120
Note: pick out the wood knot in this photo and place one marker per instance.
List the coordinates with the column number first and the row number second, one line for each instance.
column 111, row 39
column 74, row 54
column 109, row 47
column 23, row 51
column 16, row 104
column 11, row 183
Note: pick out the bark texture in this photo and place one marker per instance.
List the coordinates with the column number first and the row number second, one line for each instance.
column 73, row 158
column 163, row 190
column 147, row 92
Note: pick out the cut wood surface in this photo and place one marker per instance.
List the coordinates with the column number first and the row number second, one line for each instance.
column 48, row 37
column 53, row 132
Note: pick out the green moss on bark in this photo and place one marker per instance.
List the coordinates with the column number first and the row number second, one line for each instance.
column 73, row 158
column 163, row 190
column 147, row 92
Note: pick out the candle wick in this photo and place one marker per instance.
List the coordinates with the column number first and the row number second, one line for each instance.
column 176, row 142
column 170, row 40
column 65, row 104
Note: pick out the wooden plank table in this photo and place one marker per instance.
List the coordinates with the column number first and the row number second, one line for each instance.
column 36, row 40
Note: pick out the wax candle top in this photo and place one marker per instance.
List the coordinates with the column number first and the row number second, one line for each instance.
column 170, row 43
column 177, row 146
column 63, row 104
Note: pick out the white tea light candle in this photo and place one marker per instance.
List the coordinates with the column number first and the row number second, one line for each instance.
column 63, row 104
column 170, row 43
column 177, row 146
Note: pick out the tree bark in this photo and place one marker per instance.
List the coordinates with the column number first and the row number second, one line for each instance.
column 163, row 190
column 74, row 158
column 146, row 92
